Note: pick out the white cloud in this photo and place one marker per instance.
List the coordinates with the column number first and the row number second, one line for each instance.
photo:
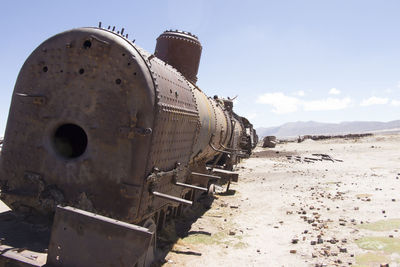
column 300, row 93
column 388, row 90
column 395, row 103
column 327, row 104
column 373, row 100
column 334, row 91
column 281, row 103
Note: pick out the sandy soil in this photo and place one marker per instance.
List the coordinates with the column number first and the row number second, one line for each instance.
column 286, row 212
column 294, row 213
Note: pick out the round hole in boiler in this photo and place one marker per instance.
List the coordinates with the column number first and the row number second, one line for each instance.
column 69, row 141
column 87, row 44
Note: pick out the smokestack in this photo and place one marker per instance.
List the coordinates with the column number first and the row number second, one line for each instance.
column 182, row 50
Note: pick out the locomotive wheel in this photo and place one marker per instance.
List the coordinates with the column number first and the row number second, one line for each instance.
column 150, row 256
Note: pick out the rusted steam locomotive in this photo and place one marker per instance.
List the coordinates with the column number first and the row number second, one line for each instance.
column 100, row 130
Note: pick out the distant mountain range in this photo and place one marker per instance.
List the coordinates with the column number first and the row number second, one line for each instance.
column 293, row 129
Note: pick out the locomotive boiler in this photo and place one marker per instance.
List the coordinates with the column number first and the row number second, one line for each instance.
column 114, row 140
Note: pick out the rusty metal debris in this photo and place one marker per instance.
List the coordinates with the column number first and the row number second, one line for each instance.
column 117, row 132
column 269, row 141
column 313, row 158
column 324, row 137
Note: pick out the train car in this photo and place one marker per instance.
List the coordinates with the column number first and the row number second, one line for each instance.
column 107, row 141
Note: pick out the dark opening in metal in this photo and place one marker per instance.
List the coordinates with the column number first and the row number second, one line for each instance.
column 70, row 141
column 87, row 44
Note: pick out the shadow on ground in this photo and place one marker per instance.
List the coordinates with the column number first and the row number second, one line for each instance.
column 180, row 228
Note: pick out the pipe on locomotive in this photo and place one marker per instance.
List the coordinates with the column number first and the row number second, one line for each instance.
column 98, row 123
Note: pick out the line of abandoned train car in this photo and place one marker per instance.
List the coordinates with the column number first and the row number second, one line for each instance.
column 112, row 140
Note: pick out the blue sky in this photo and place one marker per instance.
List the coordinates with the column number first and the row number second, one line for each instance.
column 324, row 60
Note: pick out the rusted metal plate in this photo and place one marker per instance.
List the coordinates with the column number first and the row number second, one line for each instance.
column 176, row 118
column 80, row 238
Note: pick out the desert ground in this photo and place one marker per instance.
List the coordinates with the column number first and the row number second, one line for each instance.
column 288, row 212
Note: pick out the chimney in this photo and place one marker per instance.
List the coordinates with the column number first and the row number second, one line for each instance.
column 182, row 50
